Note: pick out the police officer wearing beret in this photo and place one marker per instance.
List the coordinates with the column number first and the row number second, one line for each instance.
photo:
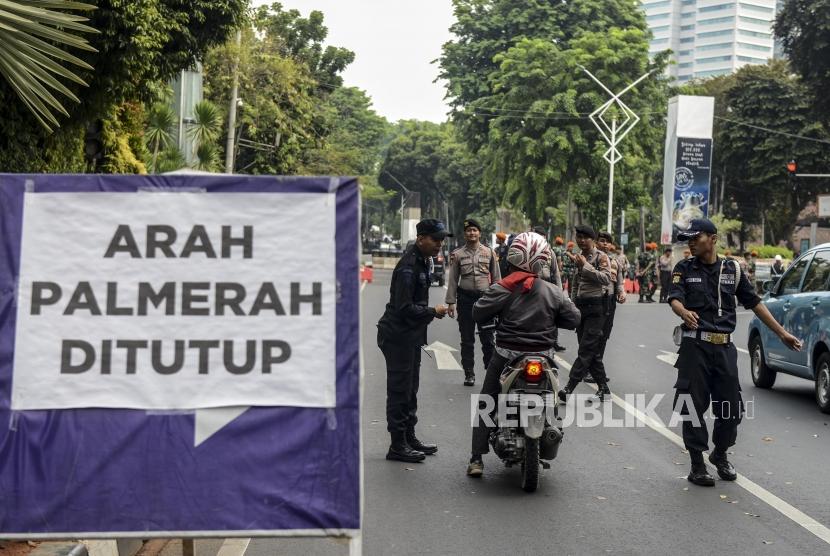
column 703, row 292
column 473, row 267
column 402, row 330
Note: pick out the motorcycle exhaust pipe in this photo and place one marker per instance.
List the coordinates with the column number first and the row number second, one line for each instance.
column 549, row 443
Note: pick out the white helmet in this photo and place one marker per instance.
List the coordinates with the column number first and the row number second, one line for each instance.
column 529, row 252
column 779, row 258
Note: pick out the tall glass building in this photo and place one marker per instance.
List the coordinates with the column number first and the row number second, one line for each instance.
column 711, row 37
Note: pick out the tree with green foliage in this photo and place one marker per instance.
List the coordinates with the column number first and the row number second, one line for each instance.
column 521, row 100
column 750, row 157
column 803, row 26
column 139, row 45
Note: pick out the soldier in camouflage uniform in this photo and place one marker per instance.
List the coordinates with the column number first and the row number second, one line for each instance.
column 646, row 274
column 568, row 266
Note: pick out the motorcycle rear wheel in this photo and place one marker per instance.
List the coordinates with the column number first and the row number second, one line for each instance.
column 530, row 466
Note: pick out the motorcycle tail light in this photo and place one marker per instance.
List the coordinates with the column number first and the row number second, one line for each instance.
column 440, row 259
column 533, row 370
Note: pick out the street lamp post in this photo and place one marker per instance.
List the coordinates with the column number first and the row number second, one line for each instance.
column 613, row 134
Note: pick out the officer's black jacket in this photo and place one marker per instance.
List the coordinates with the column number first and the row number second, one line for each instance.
column 695, row 285
column 408, row 313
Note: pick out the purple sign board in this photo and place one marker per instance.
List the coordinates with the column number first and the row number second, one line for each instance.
column 167, row 457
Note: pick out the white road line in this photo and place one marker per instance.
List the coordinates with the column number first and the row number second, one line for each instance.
column 234, row 547
column 793, row 513
column 363, row 285
column 742, row 350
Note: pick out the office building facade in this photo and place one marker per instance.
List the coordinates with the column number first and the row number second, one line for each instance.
column 711, row 37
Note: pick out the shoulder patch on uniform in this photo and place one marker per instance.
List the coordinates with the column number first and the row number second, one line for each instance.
column 676, row 278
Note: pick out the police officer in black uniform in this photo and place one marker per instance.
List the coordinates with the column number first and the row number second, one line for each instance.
column 703, row 291
column 402, row 330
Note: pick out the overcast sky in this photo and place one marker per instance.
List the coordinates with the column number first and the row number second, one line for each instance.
column 394, row 42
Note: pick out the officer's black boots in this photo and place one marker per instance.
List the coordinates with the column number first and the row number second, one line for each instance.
column 700, row 476
column 558, row 347
column 726, row 470
column 469, row 378
column 603, row 392
column 400, row 450
column 567, row 390
column 415, row 444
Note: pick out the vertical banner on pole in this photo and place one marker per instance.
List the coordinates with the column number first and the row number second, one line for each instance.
column 687, row 164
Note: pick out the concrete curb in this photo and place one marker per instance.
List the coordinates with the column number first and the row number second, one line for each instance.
column 60, row 549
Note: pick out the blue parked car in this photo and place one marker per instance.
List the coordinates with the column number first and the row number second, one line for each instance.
column 800, row 301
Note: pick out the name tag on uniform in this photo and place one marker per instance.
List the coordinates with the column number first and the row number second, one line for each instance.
column 728, row 280
column 694, row 280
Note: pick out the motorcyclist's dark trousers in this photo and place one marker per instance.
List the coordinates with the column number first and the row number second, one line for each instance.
column 467, row 328
column 591, row 336
column 708, row 373
column 490, row 389
column 403, row 370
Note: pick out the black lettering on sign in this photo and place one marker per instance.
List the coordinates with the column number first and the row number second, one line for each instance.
column 83, row 299
column 39, row 297
column 67, row 346
column 198, row 242
column 123, row 242
column 160, row 237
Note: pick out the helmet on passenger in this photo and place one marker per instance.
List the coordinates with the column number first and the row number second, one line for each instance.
column 529, row 252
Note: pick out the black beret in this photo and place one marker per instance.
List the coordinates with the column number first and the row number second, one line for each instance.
column 606, row 236
column 586, row 230
column 432, row 227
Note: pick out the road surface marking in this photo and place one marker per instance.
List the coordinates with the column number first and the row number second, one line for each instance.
column 742, row 350
column 444, row 359
column 363, row 285
column 793, row 513
column 667, row 357
column 233, row 547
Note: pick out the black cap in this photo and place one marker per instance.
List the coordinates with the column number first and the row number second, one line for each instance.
column 586, row 230
column 698, row 226
column 470, row 223
column 541, row 230
column 432, row 227
column 606, row 236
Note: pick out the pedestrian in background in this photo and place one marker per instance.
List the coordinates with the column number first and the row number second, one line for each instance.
column 665, row 267
column 501, row 252
column 568, row 267
column 605, row 244
column 591, row 292
column 473, row 267
column 402, row 330
column 703, row 292
column 646, row 273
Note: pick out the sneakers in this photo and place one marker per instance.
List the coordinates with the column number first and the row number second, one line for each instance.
column 726, row 470
column 476, row 467
column 469, row 378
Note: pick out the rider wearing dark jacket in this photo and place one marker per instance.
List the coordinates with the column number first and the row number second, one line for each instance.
column 529, row 310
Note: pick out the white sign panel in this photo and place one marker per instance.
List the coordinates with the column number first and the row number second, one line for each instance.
column 176, row 301
column 824, row 206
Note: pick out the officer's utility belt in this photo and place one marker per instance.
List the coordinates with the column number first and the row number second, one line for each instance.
column 473, row 294
column 718, row 338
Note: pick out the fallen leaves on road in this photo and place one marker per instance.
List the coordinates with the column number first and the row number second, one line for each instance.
column 768, row 439
column 409, row 469
column 613, row 444
column 601, row 498
column 629, row 468
column 751, row 515
column 723, row 497
column 767, row 542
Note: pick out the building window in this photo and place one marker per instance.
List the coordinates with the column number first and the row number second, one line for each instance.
column 687, row 40
column 754, row 8
column 716, row 8
column 711, row 73
column 657, row 16
column 724, row 33
column 685, row 65
column 685, row 52
column 714, row 59
column 687, row 27
column 717, row 46
column 754, row 20
column 657, row 4
column 757, row 47
column 751, row 60
column 659, row 41
column 717, row 20
column 660, row 29
column 687, row 2
column 685, row 77
column 746, row 33
column 687, row 15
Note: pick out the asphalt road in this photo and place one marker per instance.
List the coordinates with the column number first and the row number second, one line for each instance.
column 618, row 490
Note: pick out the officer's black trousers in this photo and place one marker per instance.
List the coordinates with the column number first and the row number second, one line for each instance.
column 591, row 336
column 665, row 284
column 490, row 388
column 467, row 328
column 609, row 324
column 708, row 372
column 403, row 370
